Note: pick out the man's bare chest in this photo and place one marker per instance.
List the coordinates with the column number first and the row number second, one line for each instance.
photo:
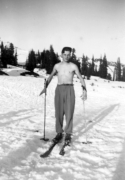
column 65, row 70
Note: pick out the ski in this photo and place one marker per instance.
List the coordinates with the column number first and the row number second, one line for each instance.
column 47, row 153
column 62, row 151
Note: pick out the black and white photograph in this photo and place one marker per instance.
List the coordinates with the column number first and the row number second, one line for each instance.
column 62, row 89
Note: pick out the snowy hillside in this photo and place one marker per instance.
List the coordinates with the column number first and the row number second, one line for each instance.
column 22, row 115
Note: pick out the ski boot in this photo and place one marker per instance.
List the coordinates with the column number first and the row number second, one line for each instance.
column 58, row 137
column 68, row 139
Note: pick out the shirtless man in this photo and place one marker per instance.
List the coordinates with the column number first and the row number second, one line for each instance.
column 64, row 94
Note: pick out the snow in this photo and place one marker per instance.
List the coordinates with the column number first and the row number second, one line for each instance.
column 40, row 72
column 100, row 121
column 14, row 71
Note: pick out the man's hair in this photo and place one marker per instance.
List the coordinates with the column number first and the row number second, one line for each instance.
column 66, row 49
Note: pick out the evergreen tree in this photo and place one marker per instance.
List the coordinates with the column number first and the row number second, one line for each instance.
column 73, row 54
column 123, row 74
column 31, row 61
column 114, row 73
column 15, row 59
column 43, row 61
column 48, row 63
column 49, row 59
column 3, row 56
column 105, row 67
column 54, row 57
column 0, row 57
column 101, row 68
column 93, row 67
column 10, row 55
column 118, row 70
column 38, row 58
column 7, row 55
column 84, row 65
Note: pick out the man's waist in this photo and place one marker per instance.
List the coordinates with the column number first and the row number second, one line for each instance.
column 65, row 84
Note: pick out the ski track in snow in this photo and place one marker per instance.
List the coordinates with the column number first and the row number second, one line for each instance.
column 22, row 113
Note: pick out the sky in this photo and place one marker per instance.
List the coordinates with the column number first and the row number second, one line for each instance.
column 92, row 27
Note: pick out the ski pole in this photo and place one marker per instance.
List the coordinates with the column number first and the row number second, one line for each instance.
column 44, row 139
column 87, row 142
column 85, row 120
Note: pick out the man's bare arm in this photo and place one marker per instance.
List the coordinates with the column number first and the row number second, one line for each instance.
column 84, row 96
column 49, row 79
column 80, row 77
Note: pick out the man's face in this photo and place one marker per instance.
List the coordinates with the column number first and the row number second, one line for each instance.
column 66, row 56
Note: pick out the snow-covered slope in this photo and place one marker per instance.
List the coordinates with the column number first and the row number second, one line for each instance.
column 14, row 71
column 22, row 114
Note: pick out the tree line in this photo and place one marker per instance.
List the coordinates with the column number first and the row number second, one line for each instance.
column 44, row 60
column 8, row 55
column 48, row 58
